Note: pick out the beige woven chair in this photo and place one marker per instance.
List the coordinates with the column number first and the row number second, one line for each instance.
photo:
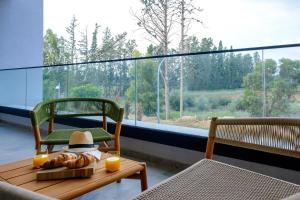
column 273, row 135
column 210, row 179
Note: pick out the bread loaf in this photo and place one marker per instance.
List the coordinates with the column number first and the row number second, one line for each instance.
column 59, row 160
column 83, row 160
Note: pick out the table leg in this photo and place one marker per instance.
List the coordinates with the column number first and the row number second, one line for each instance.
column 143, row 177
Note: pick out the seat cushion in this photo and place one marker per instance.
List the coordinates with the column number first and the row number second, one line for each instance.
column 61, row 136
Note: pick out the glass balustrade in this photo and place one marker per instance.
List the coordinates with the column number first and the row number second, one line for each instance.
column 179, row 93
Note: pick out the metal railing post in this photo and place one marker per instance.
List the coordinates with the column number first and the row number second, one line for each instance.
column 157, row 99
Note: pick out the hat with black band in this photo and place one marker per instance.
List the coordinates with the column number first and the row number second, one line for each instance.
column 81, row 142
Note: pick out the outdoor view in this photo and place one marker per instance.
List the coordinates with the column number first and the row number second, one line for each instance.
column 183, row 90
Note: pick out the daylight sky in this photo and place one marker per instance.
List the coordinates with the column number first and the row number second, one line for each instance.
column 240, row 23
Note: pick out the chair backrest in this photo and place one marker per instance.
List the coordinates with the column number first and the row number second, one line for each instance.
column 273, row 135
column 75, row 107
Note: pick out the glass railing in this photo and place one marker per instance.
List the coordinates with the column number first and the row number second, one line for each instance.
column 263, row 82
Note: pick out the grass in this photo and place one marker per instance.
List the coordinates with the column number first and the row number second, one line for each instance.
column 235, row 93
column 196, row 117
column 207, row 104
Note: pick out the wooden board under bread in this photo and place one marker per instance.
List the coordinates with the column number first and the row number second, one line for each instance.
column 63, row 172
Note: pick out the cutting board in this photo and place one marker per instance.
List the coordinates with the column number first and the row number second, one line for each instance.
column 63, row 173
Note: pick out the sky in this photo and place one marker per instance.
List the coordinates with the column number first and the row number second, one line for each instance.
column 238, row 23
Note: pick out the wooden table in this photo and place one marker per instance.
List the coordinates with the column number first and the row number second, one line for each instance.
column 21, row 174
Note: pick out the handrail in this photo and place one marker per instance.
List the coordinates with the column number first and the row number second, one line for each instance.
column 163, row 56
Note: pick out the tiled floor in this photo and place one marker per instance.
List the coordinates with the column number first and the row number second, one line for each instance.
column 17, row 143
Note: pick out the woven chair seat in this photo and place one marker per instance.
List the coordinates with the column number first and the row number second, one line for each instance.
column 61, row 136
column 209, row 179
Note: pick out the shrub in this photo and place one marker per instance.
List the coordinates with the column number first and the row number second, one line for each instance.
column 224, row 101
column 203, row 104
column 240, row 104
column 219, row 102
column 87, row 90
column 189, row 102
column 174, row 100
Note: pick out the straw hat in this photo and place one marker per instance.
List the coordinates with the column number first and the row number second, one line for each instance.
column 81, row 142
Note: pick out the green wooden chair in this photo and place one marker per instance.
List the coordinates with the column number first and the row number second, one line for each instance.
column 76, row 107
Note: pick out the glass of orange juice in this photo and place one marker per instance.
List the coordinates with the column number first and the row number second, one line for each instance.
column 113, row 162
column 39, row 160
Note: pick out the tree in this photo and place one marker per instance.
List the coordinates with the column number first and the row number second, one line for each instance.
column 48, row 89
column 83, row 70
column 215, row 71
column 71, row 42
column 157, row 19
column 72, row 56
column 106, row 52
column 279, row 89
column 125, row 49
column 64, row 54
column 146, row 84
column 51, row 50
column 54, row 53
column 218, row 69
column 83, row 47
column 199, row 69
column 186, row 13
column 94, row 46
column 115, row 75
column 290, row 70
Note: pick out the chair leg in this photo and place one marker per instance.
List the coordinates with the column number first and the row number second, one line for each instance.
column 50, row 148
column 117, row 146
column 105, row 144
column 38, row 149
column 143, row 177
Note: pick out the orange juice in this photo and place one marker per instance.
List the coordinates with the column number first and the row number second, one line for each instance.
column 112, row 163
column 39, row 160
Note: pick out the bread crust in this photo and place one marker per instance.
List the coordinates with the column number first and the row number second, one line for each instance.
column 59, row 160
column 83, row 160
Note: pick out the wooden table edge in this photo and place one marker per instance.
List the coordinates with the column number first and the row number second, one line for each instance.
column 139, row 173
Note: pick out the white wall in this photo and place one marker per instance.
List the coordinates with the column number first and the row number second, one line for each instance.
column 21, row 45
column 21, row 33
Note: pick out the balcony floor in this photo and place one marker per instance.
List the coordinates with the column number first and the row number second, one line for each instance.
column 17, row 143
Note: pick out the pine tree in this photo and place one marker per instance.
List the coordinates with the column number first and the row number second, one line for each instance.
column 64, row 54
column 72, row 55
column 93, row 56
column 71, row 43
column 106, row 52
column 220, row 71
column 51, row 48
column 83, row 46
